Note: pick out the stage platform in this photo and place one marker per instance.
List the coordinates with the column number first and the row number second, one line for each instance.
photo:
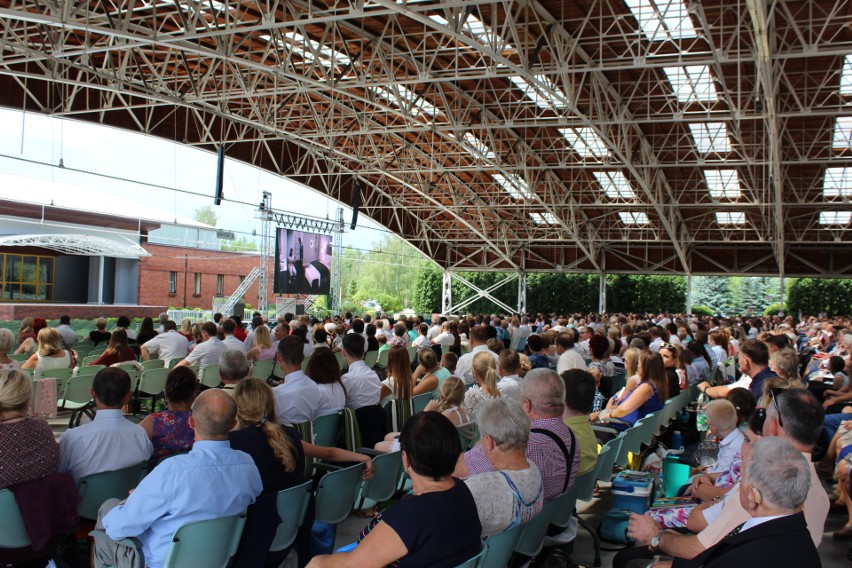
column 12, row 311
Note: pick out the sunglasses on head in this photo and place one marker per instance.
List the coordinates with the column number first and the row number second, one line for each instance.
column 759, row 418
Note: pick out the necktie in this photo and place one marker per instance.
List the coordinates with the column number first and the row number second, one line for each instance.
column 734, row 532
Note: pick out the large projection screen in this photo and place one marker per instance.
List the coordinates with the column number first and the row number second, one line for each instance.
column 302, row 262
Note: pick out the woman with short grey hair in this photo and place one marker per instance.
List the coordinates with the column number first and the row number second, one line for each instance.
column 7, row 339
column 511, row 493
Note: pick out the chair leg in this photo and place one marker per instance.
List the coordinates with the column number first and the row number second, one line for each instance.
column 595, row 538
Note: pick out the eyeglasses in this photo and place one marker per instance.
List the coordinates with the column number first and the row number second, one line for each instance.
column 772, row 394
column 670, row 346
column 757, row 421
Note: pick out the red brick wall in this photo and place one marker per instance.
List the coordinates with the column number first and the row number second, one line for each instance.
column 76, row 311
column 154, row 275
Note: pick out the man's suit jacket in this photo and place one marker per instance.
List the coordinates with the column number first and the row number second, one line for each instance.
column 780, row 542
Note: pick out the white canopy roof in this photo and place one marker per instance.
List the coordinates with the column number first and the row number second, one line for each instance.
column 85, row 245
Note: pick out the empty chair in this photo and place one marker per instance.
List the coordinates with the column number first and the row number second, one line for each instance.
column 386, row 471
column 292, row 506
column 210, row 376
column 336, row 493
column 420, row 401
column 96, row 489
column 151, row 385
column 370, row 358
column 13, row 534
column 382, row 359
column 262, row 369
column 327, row 429
column 77, row 392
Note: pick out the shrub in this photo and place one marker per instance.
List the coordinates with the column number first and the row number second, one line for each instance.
column 773, row 309
column 701, row 311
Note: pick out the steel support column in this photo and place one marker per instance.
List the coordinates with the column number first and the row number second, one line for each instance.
column 689, row 293
column 522, row 292
column 336, row 277
column 101, row 280
column 446, row 292
column 602, row 293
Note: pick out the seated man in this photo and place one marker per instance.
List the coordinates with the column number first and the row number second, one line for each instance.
column 166, row 346
column 363, row 387
column 110, row 441
column 207, row 352
column 508, row 367
column 297, row 398
column 552, row 446
column 233, row 368
column 513, row 492
column 182, row 489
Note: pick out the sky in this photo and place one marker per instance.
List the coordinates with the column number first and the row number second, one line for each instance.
column 115, row 171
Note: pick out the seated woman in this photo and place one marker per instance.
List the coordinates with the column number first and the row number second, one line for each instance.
column 513, row 493
column 28, row 336
column 429, row 374
column 117, row 351
column 6, row 339
column 324, row 370
column 599, row 349
column 537, row 346
column 484, row 371
column 99, row 334
column 50, row 354
column 262, row 349
column 169, row 429
column 400, row 384
column 675, row 368
column 28, row 449
column 437, row 525
column 645, row 399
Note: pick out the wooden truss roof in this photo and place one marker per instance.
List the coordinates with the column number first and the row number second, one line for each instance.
column 618, row 136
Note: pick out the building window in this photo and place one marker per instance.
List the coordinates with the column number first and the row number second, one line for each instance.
column 220, row 284
column 240, row 279
column 26, row 278
column 197, row 288
column 172, row 282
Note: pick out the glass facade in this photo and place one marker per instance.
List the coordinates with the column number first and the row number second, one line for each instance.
column 26, row 278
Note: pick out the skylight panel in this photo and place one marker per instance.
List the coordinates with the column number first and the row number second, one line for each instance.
column 838, row 218
column 544, row 218
column 842, row 133
column 403, row 98
column 662, row 20
column 615, row 185
column 309, row 50
column 633, row 218
column 837, row 182
column 846, row 76
column 514, row 185
column 711, row 137
column 544, row 93
column 692, row 83
column 730, row 217
column 477, row 147
column 585, row 142
column 723, row 184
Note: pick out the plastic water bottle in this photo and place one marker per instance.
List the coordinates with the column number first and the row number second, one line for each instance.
column 701, row 420
column 677, row 440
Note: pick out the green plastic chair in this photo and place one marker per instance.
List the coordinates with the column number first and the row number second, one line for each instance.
column 151, row 385
column 89, row 370
column 351, row 431
column 532, row 537
column 631, row 443
column 206, row 544
column 336, row 493
column 78, row 392
column 13, row 534
column 20, row 357
column 327, row 429
column 412, row 354
column 471, row 562
column 340, row 360
column 210, row 376
column 89, row 359
column 386, row 471
column 420, row 401
column 468, row 434
column 99, row 487
column 292, row 506
column 501, row 546
column 153, row 364
column 606, row 462
column 382, row 359
column 306, row 432
column 397, row 413
column 262, row 369
column 370, row 358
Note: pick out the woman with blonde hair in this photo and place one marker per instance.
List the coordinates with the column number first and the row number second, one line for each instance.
column 50, row 354
column 484, row 371
column 450, row 402
column 631, row 369
column 186, row 329
column 262, row 349
column 26, row 330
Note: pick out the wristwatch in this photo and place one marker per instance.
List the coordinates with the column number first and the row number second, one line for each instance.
column 655, row 541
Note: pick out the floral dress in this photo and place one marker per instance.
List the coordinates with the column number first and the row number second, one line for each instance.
column 172, row 434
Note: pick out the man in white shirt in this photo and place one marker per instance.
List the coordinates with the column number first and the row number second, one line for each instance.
column 162, row 319
column 208, row 351
column 231, row 342
column 166, row 346
column 656, row 339
column 363, row 387
column 508, row 367
column 445, row 339
column 434, row 329
column 478, row 339
column 581, row 343
column 568, row 356
column 110, row 442
column 69, row 336
column 297, row 398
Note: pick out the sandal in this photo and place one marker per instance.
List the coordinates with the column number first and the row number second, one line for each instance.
column 843, row 534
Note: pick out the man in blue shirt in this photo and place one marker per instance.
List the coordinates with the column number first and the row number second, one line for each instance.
column 211, row 481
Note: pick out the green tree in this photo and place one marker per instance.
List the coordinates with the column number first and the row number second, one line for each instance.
column 427, row 292
column 815, row 295
column 241, row 244
column 713, row 292
column 206, row 215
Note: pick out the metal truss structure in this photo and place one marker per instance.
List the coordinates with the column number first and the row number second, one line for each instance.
column 85, row 245
column 605, row 136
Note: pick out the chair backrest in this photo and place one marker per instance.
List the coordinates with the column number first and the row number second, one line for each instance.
column 382, row 359
column 327, row 429
column 585, row 484
column 370, row 358
column 631, row 442
column 412, row 354
column 20, row 357
column 306, row 432
column 336, row 493
column 501, row 546
column 78, row 389
column 563, row 511
column 474, row 561
column 262, row 369
column 153, row 364
column 535, row 530
column 420, row 401
column 208, row 544
column 618, row 381
column 61, row 375
column 292, row 506
column 606, row 461
column 153, row 381
column 89, row 359
column 340, row 360
column 89, row 370
column 386, row 471
column 397, row 413
column 210, row 376
column 351, row 430
column 97, row 488
column 13, row 534
column 467, row 434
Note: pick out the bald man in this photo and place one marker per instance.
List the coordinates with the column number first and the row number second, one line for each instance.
column 171, row 495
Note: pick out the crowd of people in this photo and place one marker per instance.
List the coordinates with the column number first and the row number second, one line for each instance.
column 533, row 385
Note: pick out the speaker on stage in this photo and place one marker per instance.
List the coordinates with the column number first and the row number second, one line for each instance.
column 356, row 204
column 220, row 175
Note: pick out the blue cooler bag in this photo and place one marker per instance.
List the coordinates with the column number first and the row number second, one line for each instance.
column 614, row 527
